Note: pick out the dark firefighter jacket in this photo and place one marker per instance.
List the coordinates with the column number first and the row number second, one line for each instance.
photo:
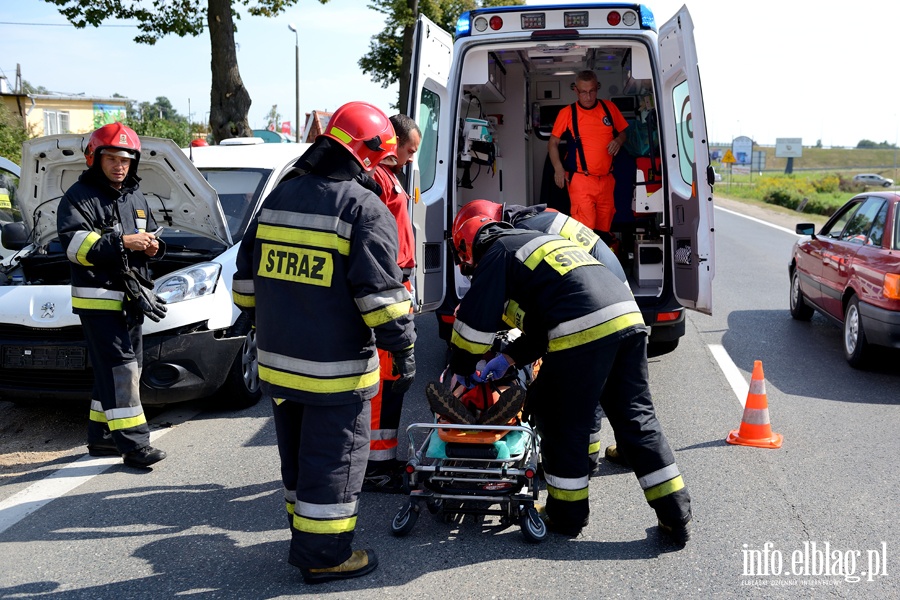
column 92, row 218
column 317, row 272
column 538, row 218
column 560, row 296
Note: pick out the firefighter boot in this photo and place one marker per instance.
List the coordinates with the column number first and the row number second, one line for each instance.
column 143, row 457
column 360, row 563
column 445, row 404
column 506, row 408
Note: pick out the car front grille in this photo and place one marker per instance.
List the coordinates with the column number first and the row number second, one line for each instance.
column 22, row 349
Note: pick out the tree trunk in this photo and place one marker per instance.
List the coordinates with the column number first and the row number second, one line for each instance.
column 406, row 57
column 229, row 102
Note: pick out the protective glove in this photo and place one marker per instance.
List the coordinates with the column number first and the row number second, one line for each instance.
column 467, row 381
column 495, row 369
column 140, row 291
column 405, row 367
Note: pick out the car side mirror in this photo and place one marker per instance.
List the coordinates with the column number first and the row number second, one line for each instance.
column 14, row 235
column 806, row 229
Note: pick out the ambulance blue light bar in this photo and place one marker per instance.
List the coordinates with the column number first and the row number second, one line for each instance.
column 556, row 18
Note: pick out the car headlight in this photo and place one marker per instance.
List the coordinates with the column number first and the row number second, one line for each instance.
column 194, row 282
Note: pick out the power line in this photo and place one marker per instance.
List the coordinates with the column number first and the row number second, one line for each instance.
column 56, row 24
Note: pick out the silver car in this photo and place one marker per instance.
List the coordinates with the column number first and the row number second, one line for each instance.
column 873, row 179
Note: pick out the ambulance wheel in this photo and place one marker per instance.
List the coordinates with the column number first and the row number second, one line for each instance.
column 534, row 530
column 405, row 520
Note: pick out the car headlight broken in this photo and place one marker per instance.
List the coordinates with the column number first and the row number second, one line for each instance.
column 194, row 282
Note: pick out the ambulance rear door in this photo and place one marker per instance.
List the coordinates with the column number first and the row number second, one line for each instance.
column 430, row 107
column 687, row 165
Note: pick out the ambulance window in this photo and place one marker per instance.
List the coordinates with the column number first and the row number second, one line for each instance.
column 429, row 113
column 684, row 131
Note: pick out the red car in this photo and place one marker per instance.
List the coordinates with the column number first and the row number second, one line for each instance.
column 850, row 272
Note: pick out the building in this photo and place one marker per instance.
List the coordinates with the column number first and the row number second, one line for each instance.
column 48, row 114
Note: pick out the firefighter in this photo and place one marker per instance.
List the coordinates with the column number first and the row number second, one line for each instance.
column 384, row 472
column 105, row 225
column 585, row 324
column 548, row 220
column 317, row 274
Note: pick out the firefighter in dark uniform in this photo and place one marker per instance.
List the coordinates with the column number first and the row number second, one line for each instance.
column 548, row 220
column 105, row 225
column 585, row 324
column 317, row 273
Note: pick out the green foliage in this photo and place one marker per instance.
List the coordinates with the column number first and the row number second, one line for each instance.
column 823, row 193
column 162, row 128
column 385, row 57
column 12, row 135
column 871, row 144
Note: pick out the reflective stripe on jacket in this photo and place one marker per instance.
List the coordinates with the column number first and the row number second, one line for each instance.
column 317, row 272
column 549, row 287
column 91, row 220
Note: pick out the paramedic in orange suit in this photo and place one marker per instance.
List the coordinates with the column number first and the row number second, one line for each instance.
column 384, row 473
column 591, row 183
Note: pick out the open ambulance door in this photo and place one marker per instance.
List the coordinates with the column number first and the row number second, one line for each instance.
column 430, row 107
column 687, row 165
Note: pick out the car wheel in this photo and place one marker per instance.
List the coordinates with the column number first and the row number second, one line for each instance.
column 855, row 344
column 887, row 184
column 241, row 388
column 800, row 310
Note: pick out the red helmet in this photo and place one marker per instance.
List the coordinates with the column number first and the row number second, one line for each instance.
column 199, row 142
column 464, row 234
column 480, row 208
column 114, row 135
column 365, row 131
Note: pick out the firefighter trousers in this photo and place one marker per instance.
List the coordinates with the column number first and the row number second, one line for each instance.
column 116, row 415
column 323, row 452
column 564, row 398
column 387, row 406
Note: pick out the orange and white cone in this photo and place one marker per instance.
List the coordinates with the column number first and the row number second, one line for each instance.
column 755, row 428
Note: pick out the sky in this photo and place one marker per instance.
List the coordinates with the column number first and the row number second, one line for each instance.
column 770, row 68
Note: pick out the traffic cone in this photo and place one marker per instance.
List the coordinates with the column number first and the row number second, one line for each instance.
column 755, row 429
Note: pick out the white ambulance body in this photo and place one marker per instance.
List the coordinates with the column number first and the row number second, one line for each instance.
column 486, row 105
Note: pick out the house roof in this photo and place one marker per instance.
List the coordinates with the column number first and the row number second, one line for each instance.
column 316, row 122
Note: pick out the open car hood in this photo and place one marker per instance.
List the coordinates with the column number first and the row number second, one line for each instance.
column 177, row 193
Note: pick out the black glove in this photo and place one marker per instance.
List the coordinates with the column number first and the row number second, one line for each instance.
column 405, row 367
column 140, row 291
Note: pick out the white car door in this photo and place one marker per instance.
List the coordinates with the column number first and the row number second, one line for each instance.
column 430, row 107
column 687, row 164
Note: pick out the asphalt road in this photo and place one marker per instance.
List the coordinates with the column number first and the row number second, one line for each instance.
column 209, row 521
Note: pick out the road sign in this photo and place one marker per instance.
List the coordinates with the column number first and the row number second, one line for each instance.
column 728, row 158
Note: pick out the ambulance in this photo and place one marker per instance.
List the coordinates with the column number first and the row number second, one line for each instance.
column 486, row 104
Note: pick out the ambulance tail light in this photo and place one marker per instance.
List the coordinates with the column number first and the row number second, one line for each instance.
column 613, row 18
column 665, row 317
column 496, row 23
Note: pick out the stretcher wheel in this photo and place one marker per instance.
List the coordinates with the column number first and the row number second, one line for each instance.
column 405, row 520
column 434, row 505
column 534, row 530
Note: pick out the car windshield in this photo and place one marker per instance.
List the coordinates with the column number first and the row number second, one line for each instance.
column 238, row 190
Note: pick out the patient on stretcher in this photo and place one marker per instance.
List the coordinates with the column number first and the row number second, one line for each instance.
column 487, row 403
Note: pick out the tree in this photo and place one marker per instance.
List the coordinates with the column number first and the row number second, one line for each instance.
column 273, row 119
column 12, row 134
column 390, row 52
column 229, row 99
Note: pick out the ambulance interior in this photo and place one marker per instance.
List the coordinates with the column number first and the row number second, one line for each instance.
column 509, row 99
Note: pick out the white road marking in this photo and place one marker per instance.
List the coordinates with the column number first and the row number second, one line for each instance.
column 760, row 221
column 732, row 373
column 61, row 482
